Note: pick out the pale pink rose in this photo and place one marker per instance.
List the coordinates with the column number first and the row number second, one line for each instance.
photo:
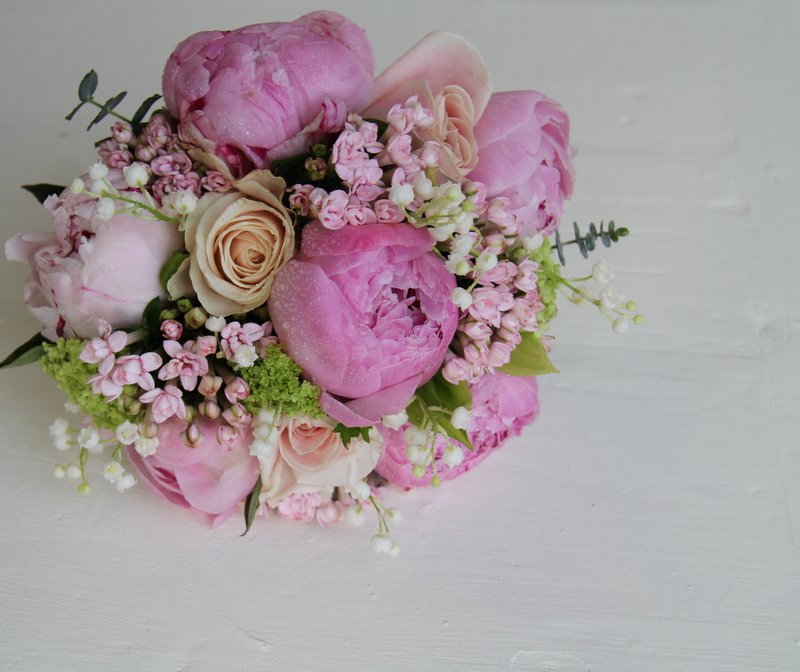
column 524, row 156
column 92, row 268
column 501, row 406
column 366, row 312
column 311, row 457
column 268, row 91
column 211, row 478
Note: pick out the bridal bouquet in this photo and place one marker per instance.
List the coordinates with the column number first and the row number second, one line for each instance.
column 295, row 284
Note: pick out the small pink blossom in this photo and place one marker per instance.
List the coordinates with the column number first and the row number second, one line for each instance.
column 157, row 131
column 332, row 210
column 122, row 132
column 119, row 158
column 398, row 150
column 525, row 279
column 234, row 335
column 134, row 370
column 165, row 403
column 105, row 148
column 299, row 506
column 171, row 165
column 101, row 350
column 171, row 329
column 360, row 215
column 237, row 389
column 185, row 364
column 216, row 181
column 205, row 345
column 237, row 416
column 331, row 512
column 299, row 199
column 387, row 212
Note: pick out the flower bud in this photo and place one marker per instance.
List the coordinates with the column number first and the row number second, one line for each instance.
column 148, row 430
column 171, row 329
column 195, row 318
column 131, row 405
column 136, row 175
column 191, row 413
column 145, row 152
column 122, row 132
column 209, row 409
column 209, row 385
column 192, row 436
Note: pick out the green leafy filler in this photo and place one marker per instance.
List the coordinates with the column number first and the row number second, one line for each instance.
column 434, row 403
column 275, row 382
column 350, row 433
column 61, row 360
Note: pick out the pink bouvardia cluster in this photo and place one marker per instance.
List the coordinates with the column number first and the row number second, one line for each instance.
column 399, row 245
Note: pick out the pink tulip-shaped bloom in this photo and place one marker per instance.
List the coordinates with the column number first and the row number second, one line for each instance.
column 366, row 312
column 524, row 156
column 92, row 268
column 501, row 406
column 211, row 478
column 268, row 91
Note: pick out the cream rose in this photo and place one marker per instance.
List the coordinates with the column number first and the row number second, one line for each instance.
column 237, row 242
column 454, row 120
column 310, row 457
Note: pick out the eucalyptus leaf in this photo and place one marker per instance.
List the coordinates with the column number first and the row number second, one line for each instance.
column 171, row 267
column 27, row 353
column 74, row 112
column 42, row 191
column 251, row 506
column 144, row 108
column 109, row 105
column 88, row 86
column 529, row 358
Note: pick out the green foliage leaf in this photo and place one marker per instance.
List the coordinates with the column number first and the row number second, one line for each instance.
column 438, row 392
column 144, row 108
column 251, row 506
column 350, row 433
column 42, row 191
column 152, row 315
column 529, row 358
column 109, row 105
column 27, row 353
column 88, row 86
column 171, row 267
column 74, row 112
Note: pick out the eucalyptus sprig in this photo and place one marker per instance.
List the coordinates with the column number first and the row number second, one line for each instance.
column 588, row 242
column 86, row 90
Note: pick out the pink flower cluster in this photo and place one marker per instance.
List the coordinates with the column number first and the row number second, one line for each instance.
column 159, row 149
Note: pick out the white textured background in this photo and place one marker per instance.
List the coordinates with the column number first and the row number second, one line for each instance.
column 647, row 522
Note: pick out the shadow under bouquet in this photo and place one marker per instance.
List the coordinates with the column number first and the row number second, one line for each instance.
column 295, row 283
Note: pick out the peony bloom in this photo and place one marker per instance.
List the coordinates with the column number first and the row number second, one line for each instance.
column 92, row 268
column 268, row 91
column 366, row 312
column 310, row 457
column 211, row 478
column 238, row 240
column 501, row 406
column 524, row 156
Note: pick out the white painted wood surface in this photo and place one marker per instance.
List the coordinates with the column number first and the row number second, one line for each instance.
column 647, row 522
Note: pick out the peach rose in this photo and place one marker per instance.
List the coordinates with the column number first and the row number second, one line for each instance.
column 238, row 241
column 310, row 457
column 454, row 120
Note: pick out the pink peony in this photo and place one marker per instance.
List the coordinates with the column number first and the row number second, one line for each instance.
column 268, row 91
column 501, row 406
column 211, row 478
column 524, row 155
column 92, row 268
column 366, row 312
